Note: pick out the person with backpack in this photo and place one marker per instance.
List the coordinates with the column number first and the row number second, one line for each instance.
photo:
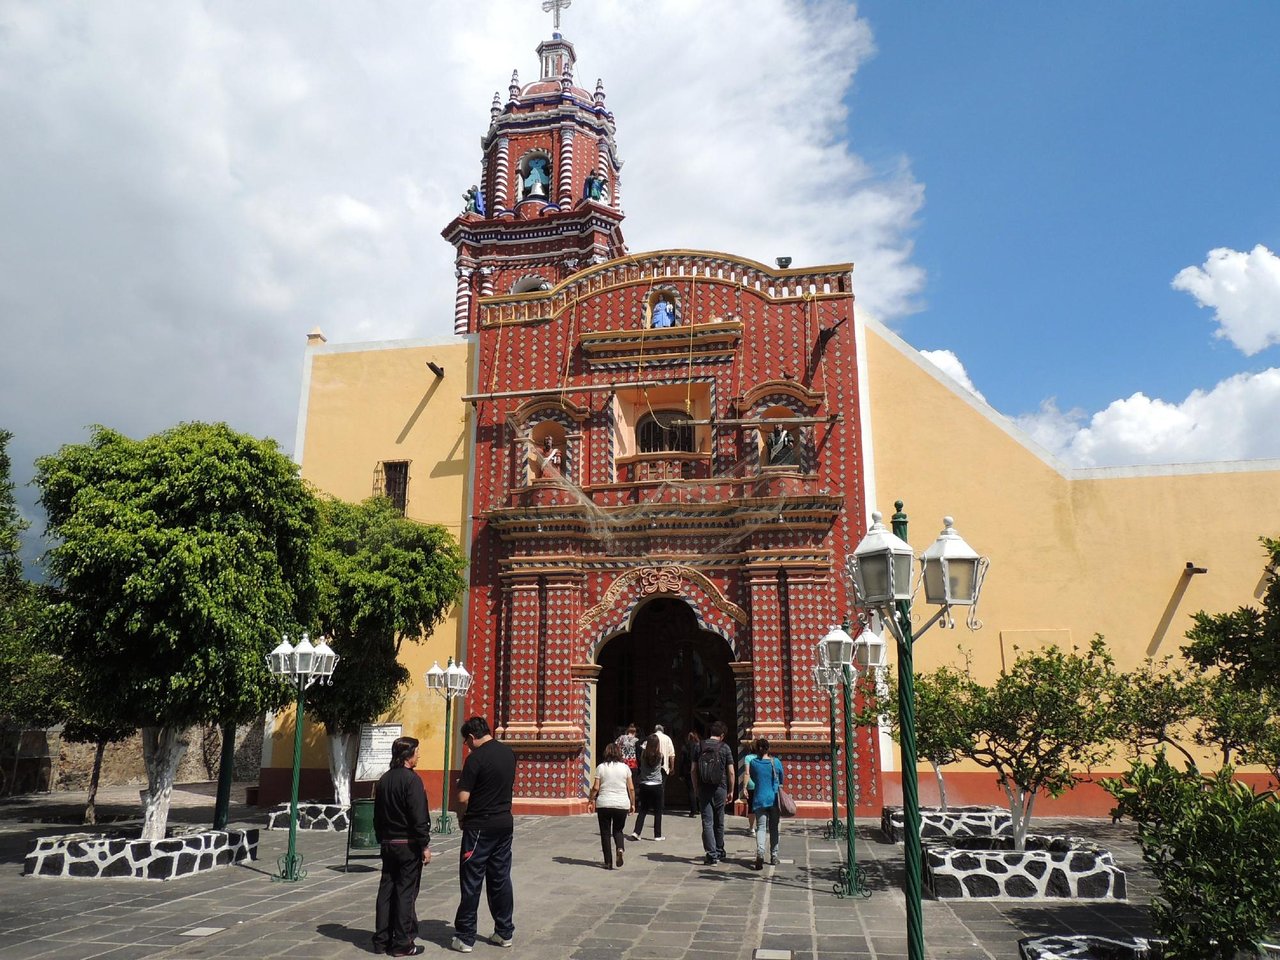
column 713, row 774
column 765, row 772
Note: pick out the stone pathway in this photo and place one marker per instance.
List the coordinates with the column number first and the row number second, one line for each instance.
column 665, row 904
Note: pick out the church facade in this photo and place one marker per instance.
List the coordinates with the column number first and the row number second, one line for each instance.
column 658, row 464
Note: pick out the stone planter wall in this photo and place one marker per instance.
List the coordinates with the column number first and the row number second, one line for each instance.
column 1049, row 867
column 94, row 856
column 311, row 816
column 953, row 822
column 1090, row 947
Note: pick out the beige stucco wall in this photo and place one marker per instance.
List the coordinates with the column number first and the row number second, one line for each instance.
column 1073, row 552
column 367, row 403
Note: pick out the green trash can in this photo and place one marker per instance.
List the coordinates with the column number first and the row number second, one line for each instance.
column 360, row 832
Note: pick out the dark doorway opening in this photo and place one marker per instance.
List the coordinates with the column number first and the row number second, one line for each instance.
column 666, row 670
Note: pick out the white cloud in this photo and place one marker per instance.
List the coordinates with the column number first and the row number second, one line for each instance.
column 1244, row 291
column 949, row 363
column 189, row 188
column 1233, row 421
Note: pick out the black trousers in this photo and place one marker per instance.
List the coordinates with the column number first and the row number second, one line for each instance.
column 484, row 859
column 651, row 797
column 397, row 908
column 612, row 823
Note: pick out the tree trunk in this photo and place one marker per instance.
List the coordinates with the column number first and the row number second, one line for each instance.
column 1020, row 804
column 162, row 751
column 90, row 810
column 342, row 758
column 226, row 768
column 942, row 787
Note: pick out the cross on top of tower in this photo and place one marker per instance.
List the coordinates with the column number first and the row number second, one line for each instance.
column 554, row 7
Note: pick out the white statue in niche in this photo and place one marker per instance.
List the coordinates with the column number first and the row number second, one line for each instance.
column 549, row 459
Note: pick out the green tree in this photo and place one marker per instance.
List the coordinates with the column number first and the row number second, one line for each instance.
column 1212, row 845
column 1156, row 705
column 28, row 672
column 383, row 579
column 179, row 559
column 1244, row 644
column 944, row 701
column 1049, row 716
column 1240, row 654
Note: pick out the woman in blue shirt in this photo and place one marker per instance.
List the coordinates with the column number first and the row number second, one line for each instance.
column 765, row 773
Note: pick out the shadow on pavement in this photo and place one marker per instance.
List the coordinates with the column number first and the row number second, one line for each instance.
column 574, row 862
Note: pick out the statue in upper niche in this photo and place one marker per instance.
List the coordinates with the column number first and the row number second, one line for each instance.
column 475, row 200
column 549, row 459
column 663, row 315
column 537, row 179
column 782, row 447
column 594, row 187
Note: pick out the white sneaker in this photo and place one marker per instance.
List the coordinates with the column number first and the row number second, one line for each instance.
column 659, row 839
column 498, row 940
column 633, row 836
column 460, row 947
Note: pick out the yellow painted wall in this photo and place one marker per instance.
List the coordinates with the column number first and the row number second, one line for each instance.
column 367, row 403
column 1073, row 552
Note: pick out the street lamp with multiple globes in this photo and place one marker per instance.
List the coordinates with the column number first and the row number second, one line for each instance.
column 840, row 660
column 450, row 683
column 303, row 664
column 952, row 572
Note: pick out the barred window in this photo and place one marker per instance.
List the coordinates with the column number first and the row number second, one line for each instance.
column 395, row 482
column 656, row 433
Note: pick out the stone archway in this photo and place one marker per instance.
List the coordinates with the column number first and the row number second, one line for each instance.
column 668, row 669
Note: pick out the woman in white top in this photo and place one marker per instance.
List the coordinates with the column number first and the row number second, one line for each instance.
column 612, row 798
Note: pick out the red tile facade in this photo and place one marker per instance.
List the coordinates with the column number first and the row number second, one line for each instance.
column 567, row 549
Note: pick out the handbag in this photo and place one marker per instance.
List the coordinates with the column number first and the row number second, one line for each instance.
column 786, row 803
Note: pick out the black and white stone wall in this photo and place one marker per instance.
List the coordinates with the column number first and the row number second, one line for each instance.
column 1049, row 867
column 113, row 855
column 949, row 823
column 1086, row 947
column 311, row 816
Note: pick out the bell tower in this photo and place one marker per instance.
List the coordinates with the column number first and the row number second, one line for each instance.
column 548, row 200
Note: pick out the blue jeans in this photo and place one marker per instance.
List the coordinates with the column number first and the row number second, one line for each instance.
column 767, row 819
column 484, row 859
column 712, row 805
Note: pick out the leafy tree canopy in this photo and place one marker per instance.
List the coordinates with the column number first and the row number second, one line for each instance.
column 1245, row 643
column 1212, row 845
column 383, row 578
column 28, row 672
column 1049, row 716
column 179, row 559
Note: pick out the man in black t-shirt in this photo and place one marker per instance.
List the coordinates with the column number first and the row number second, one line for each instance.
column 484, row 792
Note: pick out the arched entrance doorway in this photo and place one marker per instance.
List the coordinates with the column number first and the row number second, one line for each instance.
column 665, row 670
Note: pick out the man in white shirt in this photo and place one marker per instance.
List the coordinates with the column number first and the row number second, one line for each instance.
column 668, row 750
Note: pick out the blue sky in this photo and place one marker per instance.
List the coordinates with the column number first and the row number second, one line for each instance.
column 1076, row 158
column 188, row 188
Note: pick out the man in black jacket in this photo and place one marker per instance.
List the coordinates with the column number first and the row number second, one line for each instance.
column 403, row 828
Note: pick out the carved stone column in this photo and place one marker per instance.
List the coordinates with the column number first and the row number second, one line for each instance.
column 561, row 706
column 566, row 167
column 462, row 301
column 502, row 176
column 523, row 678
column 766, row 651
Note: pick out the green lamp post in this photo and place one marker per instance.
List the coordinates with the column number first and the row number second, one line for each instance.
column 829, row 677
column 302, row 664
column 846, row 658
column 880, row 569
column 450, row 683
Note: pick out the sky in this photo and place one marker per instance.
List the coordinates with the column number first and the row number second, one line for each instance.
column 1074, row 210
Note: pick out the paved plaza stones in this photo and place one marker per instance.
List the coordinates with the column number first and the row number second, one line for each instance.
column 665, row 904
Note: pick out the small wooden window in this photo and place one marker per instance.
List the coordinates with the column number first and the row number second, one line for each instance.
column 395, row 482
